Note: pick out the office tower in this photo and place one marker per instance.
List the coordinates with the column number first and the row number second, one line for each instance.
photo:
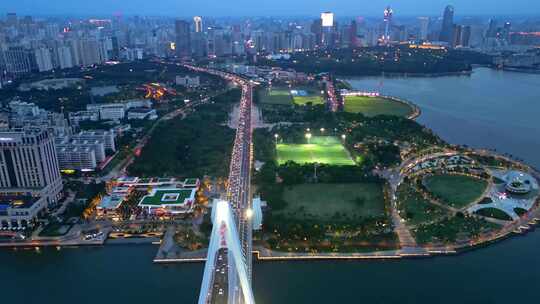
column 492, row 29
column 316, row 29
column 43, row 59
column 457, row 32
column 197, row 21
column 28, row 164
column 353, row 33
column 424, row 28
column 198, row 39
column 466, row 36
column 115, row 54
column 505, row 34
column 447, row 29
column 327, row 23
column 183, row 38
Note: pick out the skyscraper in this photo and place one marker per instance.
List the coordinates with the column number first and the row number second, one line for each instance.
column 197, row 21
column 388, row 14
column 447, row 30
column 353, row 33
column 183, row 38
column 466, row 36
column 424, row 28
column 327, row 23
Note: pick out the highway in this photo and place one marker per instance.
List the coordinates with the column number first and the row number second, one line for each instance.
column 238, row 190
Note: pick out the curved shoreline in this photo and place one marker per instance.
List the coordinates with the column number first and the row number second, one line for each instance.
column 416, row 111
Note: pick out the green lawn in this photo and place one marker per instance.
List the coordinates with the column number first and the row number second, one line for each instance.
column 167, row 197
column 373, row 106
column 494, row 213
column 415, row 209
column 281, row 96
column 456, row 190
column 323, row 150
column 55, row 230
column 323, row 201
column 304, row 100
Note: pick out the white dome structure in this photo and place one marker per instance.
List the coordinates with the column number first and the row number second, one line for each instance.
column 518, row 182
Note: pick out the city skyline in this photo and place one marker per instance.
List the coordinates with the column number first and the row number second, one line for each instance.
column 276, row 8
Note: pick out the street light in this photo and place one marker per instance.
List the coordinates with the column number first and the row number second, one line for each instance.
column 308, row 137
column 276, row 136
column 322, row 130
column 343, row 137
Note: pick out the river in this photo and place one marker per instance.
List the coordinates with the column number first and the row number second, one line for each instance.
column 487, row 109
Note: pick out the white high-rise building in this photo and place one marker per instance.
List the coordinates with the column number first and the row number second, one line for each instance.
column 424, row 28
column 28, row 164
column 198, row 24
column 65, row 60
column 43, row 59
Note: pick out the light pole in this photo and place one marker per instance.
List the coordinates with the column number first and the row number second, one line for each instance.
column 308, row 137
column 322, row 130
column 276, row 136
column 343, row 137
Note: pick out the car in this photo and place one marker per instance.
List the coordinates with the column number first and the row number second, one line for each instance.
column 220, row 291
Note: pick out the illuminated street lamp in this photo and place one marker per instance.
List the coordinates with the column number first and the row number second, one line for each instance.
column 322, row 130
column 343, row 137
column 276, row 136
column 308, row 137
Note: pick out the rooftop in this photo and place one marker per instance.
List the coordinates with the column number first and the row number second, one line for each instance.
column 160, row 197
column 110, row 202
column 17, row 201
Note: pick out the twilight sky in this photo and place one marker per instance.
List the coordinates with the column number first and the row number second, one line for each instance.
column 266, row 7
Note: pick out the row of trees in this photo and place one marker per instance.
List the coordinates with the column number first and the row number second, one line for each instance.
column 377, row 60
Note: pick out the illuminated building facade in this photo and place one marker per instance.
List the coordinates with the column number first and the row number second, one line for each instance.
column 28, row 164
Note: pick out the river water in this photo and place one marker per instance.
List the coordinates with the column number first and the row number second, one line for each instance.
column 488, row 109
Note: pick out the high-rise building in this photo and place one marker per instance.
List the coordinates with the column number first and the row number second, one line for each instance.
column 466, row 36
column 183, row 38
column 11, row 19
column 43, row 59
column 17, row 60
column 387, row 19
column 197, row 21
column 492, row 29
column 328, row 25
column 447, row 30
column 457, row 35
column 65, row 61
column 353, row 33
column 316, row 29
column 423, row 28
column 28, row 164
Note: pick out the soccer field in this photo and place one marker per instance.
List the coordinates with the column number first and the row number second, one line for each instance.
column 304, row 100
column 373, row 106
column 280, row 96
column 322, row 149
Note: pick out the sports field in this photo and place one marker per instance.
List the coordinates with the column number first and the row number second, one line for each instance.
column 304, row 95
column 304, row 100
column 323, row 201
column 321, row 149
column 281, row 96
column 373, row 106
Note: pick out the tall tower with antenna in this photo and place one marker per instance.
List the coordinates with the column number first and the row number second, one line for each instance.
column 388, row 13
